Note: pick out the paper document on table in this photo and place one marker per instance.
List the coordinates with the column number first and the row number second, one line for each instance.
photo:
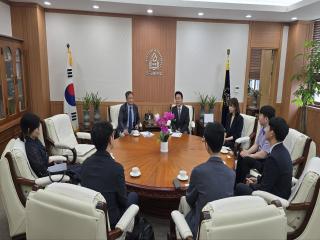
column 147, row 134
column 176, row 134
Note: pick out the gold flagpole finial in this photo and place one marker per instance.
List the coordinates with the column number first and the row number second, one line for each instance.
column 228, row 62
column 69, row 55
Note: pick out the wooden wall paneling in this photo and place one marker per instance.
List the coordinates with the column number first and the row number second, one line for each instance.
column 153, row 33
column 313, row 129
column 299, row 32
column 265, row 35
column 28, row 23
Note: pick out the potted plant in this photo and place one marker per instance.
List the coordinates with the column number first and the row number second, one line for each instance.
column 254, row 94
column 203, row 103
column 86, row 101
column 211, row 102
column 308, row 77
column 96, row 102
column 163, row 123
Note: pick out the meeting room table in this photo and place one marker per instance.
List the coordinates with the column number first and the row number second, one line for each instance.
column 158, row 196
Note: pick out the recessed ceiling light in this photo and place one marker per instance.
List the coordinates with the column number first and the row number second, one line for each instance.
column 294, row 18
column 150, row 11
column 200, row 14
column 248, row 16
column 95, row 7
column 47, row 3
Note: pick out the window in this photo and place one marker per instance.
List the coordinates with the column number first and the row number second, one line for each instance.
column 316, row 37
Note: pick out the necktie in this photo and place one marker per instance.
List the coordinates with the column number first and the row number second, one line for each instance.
column 130, row 119
column 179, row 112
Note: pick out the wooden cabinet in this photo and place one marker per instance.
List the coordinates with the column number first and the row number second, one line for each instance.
column 12, row 80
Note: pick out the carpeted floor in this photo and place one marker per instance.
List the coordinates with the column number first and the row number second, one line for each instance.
column 160, row 226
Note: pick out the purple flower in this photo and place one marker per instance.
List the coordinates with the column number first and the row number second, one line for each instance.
column 164, row 129
column 168, row 115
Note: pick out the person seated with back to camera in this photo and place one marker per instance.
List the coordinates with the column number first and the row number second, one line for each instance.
column 128, row 118
column 102, row 173
column 234, row 124
column 36, row 152
column 255, row 156
column 277, row 171
column 209, row 181
column 181, row 113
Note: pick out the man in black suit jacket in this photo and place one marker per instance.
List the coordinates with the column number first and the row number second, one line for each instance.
column 181, row 113
column 128, row 119
column 102, row 173
column 277, row 171
column 209, row 181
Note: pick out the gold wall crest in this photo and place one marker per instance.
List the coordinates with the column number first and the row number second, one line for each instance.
column 154, row 61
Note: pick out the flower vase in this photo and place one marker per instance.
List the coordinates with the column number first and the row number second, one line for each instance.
column 86, row 119
column 164, row 147
column 97, row 116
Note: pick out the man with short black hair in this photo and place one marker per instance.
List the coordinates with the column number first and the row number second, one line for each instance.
column 255, row 156
column 181, row 113
column 277, row 172
column 103, row 174
column 128, row 118
column 209, row 181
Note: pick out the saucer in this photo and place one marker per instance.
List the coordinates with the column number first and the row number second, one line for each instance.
column 185, row 178
column 136, row 134
column 224, row 151
column 132, row 174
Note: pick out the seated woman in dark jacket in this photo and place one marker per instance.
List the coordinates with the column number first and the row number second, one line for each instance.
column 36, row 152
column 234, row 123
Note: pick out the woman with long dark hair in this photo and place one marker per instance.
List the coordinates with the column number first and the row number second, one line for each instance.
column 234, row 123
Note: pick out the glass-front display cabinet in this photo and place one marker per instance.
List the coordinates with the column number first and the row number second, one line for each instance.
column 12, row 80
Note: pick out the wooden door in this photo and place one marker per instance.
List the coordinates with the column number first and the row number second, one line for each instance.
column 266, row 77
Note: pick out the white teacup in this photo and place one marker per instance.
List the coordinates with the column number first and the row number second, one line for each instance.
column 135, row 132
column 135, row 170
column 183, row 173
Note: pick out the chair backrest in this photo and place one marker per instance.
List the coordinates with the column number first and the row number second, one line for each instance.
column 12, row 205
column 72, row 211
column 248, row 128
column 114, row 114
column 59, row 129
column 191, row 115
column 20, row 160
column 244, row 217
column 306, row 189
column 296, row 142
column 41, row 136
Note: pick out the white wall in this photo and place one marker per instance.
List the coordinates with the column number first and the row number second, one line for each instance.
column 102, row 54
column 201, row 50
column 5, row 19
column 282, row 62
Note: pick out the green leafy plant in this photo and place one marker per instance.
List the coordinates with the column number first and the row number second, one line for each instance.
column 96, row 100
column 308, row 77
column 203, row 99
column 86, row 101
column 212, row 101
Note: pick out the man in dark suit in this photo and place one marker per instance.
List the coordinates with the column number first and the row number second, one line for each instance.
column 209, row 181
column 128, row 119
column 277, row 171
column 102, row 173
column 181, row 113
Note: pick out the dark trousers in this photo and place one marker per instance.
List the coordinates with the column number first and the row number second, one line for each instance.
column 242, row 189
column 245, row 164
column 133, row 198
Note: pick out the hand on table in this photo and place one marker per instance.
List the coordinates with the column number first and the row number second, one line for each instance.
column 251, row 180
column 125, row 132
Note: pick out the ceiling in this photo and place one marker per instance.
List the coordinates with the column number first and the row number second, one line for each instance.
column 260, row 10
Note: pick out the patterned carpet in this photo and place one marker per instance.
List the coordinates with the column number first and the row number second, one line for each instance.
column 160, row 226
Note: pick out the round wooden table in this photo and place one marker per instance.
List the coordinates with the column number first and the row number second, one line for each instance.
column 158, row 170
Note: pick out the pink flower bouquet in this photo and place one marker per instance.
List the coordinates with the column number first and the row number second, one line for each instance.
column 164, row 123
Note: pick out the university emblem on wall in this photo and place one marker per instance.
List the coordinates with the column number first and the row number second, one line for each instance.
column 154, row 61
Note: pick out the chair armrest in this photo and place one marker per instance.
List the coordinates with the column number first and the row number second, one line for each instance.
column 127, row 217
column 83, row 135
column 193, row 124
column 243, row 140
column 269, row 197
column 26, row 182
column 57, row 159
column 113, row 125
column 181, row 224
column 44, row 181
column 298, row 161
column 294, row 181
column 62, row 146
